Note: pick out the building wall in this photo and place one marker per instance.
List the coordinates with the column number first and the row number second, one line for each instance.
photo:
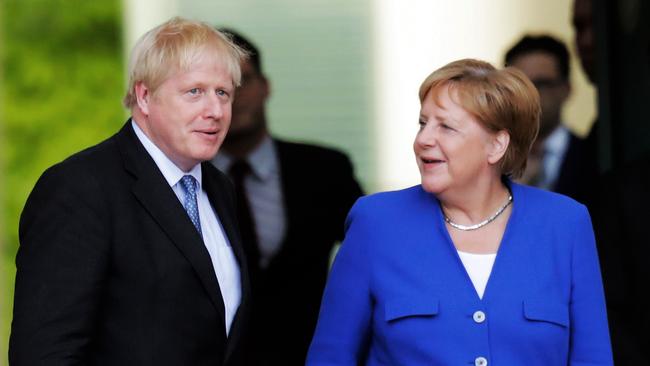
column 345, row 73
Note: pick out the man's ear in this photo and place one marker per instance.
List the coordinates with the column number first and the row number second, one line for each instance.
column 500, row 143
column 266, row 84
column 143, row 96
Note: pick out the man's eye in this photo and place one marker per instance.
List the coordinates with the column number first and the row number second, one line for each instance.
column 194, row 91
column 222, row 93
column 422, row 124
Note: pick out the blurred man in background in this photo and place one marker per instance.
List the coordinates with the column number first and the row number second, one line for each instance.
column 545, row 60
column 620, row 212
column 581, row 168
column 292, row 200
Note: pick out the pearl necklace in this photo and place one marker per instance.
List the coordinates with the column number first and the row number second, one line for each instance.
column 480, row 224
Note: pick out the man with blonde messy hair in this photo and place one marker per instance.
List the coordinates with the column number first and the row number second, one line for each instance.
column 129, row 251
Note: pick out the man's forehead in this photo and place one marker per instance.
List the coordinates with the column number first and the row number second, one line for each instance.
column 196, row 73
column 537, row 63
column 247, row 68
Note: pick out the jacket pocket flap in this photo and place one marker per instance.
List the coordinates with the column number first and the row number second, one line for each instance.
column 547, row 312
column 403, row 308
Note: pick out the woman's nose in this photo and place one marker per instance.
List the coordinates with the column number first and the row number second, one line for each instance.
column 427, row 136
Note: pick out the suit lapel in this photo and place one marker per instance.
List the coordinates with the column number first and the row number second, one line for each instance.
column 155, row 195
column 218, row 193
column 221, row 198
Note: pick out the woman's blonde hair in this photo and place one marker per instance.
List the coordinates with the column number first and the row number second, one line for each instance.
column 501, row 100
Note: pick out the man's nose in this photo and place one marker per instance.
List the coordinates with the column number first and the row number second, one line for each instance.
column 214, row 107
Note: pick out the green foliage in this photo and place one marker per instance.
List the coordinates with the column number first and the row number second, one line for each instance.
column 62, row 89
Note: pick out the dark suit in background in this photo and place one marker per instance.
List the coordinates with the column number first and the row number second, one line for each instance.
column 621, row 223
column 579, row 172
column 317, row 188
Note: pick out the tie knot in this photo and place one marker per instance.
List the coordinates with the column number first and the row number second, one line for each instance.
column 189, row 184
column 239, row 169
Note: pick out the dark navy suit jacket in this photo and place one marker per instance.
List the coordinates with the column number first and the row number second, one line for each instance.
column 319, row 188
column 398, row 293
column 111, row 271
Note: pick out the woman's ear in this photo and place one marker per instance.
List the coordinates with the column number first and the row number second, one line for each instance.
column 500, row 143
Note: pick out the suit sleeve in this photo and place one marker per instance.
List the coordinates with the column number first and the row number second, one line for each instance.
column 348, row 191
column 61, row 267
column 344, row 323
column 590, row 343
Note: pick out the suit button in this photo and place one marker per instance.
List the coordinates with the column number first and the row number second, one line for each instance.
column 479, row 316
column 480, row 361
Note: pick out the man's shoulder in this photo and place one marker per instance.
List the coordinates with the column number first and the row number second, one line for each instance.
column 98, row 163
column 88, row 159
column 84, row 177
column 211, row 171
column 308, row 161
column 301, row 150
column 586, row 142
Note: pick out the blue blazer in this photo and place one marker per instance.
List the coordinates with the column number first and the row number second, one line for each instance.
column 398, row 293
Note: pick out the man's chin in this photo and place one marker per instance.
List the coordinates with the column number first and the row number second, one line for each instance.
column 241, row 133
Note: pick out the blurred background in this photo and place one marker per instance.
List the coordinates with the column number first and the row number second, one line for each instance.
column 345, row 73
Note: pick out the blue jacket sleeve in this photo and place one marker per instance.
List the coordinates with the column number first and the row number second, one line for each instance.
column 590, row 344
column 344, row 322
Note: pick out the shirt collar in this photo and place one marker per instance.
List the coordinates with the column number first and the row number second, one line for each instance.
column 262, row 160
column 169, row 170
column 557, row 141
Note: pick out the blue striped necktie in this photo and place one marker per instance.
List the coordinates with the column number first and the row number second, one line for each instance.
column 188, row 183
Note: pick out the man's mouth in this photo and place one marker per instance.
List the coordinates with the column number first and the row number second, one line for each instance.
column 208, row 132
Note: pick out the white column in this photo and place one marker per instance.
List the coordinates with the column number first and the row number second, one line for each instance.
column 142, row 15
column 412, row 38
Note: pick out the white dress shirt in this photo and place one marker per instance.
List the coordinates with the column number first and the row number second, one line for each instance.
column 555, row 147
column 223, row 259
column 264, row 193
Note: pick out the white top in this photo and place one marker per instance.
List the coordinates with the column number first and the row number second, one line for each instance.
column 478, row 267
column 264, row 193
column 223, row 259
